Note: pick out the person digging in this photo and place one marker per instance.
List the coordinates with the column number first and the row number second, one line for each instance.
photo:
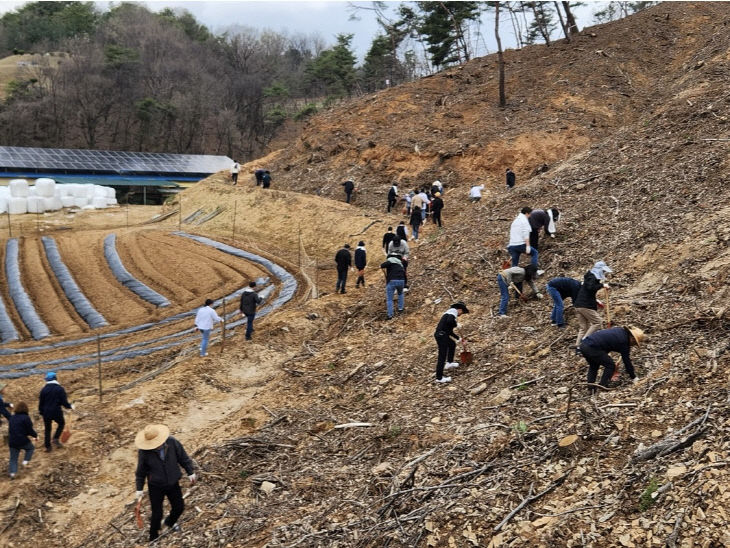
column 446, row 340
column 159, row 459
column 595, row 349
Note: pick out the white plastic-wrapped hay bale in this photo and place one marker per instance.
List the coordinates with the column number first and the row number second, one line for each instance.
column 68, row 201
column 17, row 206
column 52, row 204
column 99, row 202
column 79, row 191
column 89, row 191
column 3, row 204
column 65, row 190
column 80, row 202
column 111, row 201
column 18, row 188
column 35, row 204
column 110, row 192
column 45, row 187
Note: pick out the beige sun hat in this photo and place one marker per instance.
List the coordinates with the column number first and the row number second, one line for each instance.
column 152, row 436
column 638, row 334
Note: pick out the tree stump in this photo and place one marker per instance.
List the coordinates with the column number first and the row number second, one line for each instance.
column 569, row 445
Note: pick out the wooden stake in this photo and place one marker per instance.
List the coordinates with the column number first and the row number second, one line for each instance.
column 10, row 230
column 37, row 221
column 179, row 211
column 233, row 235
column 299, row 250
column 98, row 361
column 127, row 209
column 223, row 332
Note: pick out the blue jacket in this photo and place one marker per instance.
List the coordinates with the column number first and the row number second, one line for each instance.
column 19, row 429
column 52, row 397
column 567, row 287
column 4, row 409
column 615, row 339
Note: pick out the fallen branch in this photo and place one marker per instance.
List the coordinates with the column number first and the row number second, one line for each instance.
column 11, row 521
column 353, row 425
column 570, row 392
column 531, row 498
column 674, row 442
column 672, row 538
column 533, row 381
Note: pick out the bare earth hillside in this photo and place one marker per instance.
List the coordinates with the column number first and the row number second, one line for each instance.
column 336, row 408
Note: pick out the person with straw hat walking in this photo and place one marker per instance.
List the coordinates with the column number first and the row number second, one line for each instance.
column 159, row 460
column 595, row 349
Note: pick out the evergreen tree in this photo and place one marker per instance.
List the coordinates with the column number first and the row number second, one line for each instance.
column 445, row 26
column 334, row 68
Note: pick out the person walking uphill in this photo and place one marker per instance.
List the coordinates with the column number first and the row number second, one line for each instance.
column 249, row 300
column 361, row 261
column 416, row 221
column 560, row 289
column 586, row 304
column 159, row 458
column 446, row 340
column 437, row 204
column 387, row 238
column 235, row 168
column 395, row 281
column 343, row 259
column 399, row 247
column 519, row 238
column 595, row 349
column 52, row 399
column 204, row 323
column 392, row 196
column 513, row 277
column 19, row 430
column 349, row 188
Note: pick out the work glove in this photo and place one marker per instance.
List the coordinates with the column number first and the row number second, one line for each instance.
column 538, row 295
column 458, row 326
column 72, row 407
column 552, row 235
column 605, row 286
column 192, row 478
column 636, row 380
column 10, row 405
column 138, row 495
column 528, row 250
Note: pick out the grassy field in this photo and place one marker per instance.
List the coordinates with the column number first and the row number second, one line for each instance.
column 11, row 70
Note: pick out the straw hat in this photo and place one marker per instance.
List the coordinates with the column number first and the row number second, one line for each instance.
column 638, row 334
column 152, row 436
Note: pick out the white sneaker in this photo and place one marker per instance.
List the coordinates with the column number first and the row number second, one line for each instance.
column 503, row 316
column 25, row 463
column 444, row 379
column 406, row 290
column 451, row 365
column 540, row 272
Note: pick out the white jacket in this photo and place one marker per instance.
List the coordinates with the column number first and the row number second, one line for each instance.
column 205, row 317
column 476, row 191
column 520, row 230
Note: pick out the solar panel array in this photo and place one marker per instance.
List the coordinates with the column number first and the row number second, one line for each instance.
column 58, row 160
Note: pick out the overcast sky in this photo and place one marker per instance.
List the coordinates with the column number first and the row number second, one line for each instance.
column 328, row 19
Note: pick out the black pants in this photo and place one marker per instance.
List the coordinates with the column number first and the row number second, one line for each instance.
column 437, row 217
column 234, row 176
column 341, row 280
column 595, row 359
column 157, row 496
column 48, row 424
column 534, row 239
column 360, row 280
column 348, row 196
column 447, row 348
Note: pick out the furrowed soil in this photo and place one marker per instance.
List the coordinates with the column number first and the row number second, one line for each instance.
column 327, row 429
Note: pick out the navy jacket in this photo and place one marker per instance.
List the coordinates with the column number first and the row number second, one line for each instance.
column 52, row 397
column 567, row 287
column 446, row 326
column 343, row 259
column 614, row 339
column 19, row 429
column 393, row 270
column 249, row 300
column 587, row 295
column 162, row 473
column 360, row 258
column 4, row 408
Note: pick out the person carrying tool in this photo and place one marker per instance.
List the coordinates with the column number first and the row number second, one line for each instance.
column 159, row 458
column 249, row 300
column 204, row 319
column 519, row 238
column 52, row 398
column 542, row 219
column 595, row 349
column 512, row 278
column 392, row 196
column 349, row 189
column 437, row 204
column 19, row 430
column 361, row 260
column 395, row 281
column 343, row 259
column 387, row 238
column 446, row 340
column 560, row 289
column 475, row 193
column 586, row 305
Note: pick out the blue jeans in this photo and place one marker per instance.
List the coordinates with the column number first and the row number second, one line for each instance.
column 391, row 287
column 504, row 295
column 423, row 214
column 15, row 453
column 249, row 325
column 341, row 280
column 204, row 342
column 556, row 316
column 516, row 250
column 415, row 231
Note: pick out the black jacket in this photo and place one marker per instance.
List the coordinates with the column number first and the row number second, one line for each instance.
column 387, row 238
column 392, row 194
column 162, row 473
column 343, row 259
column 360, row 258
column 401, row 232
column 567, row 287
column 4, row 409
column 511, row 178
column 437, row 204
column 349, row 186
column 393, row 270
column 416, row 219
column 20, row 428
column 446, row 327
column 52, row 397
column 249, row 300
column 587, row 295
column 615, row 339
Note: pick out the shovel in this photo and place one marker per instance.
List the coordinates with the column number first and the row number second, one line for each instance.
column 465, row 357
column 138, row 514
column 608, row 308
column 66, row 434
column 513, row 286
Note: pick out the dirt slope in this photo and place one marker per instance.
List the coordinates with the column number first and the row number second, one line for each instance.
column 640, row 187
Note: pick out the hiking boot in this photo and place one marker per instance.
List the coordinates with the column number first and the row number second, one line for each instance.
column 48, row 449
column 451, row 365
column 444, row 380
column 57, row 443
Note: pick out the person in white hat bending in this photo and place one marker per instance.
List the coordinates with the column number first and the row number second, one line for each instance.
column 159, row 459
